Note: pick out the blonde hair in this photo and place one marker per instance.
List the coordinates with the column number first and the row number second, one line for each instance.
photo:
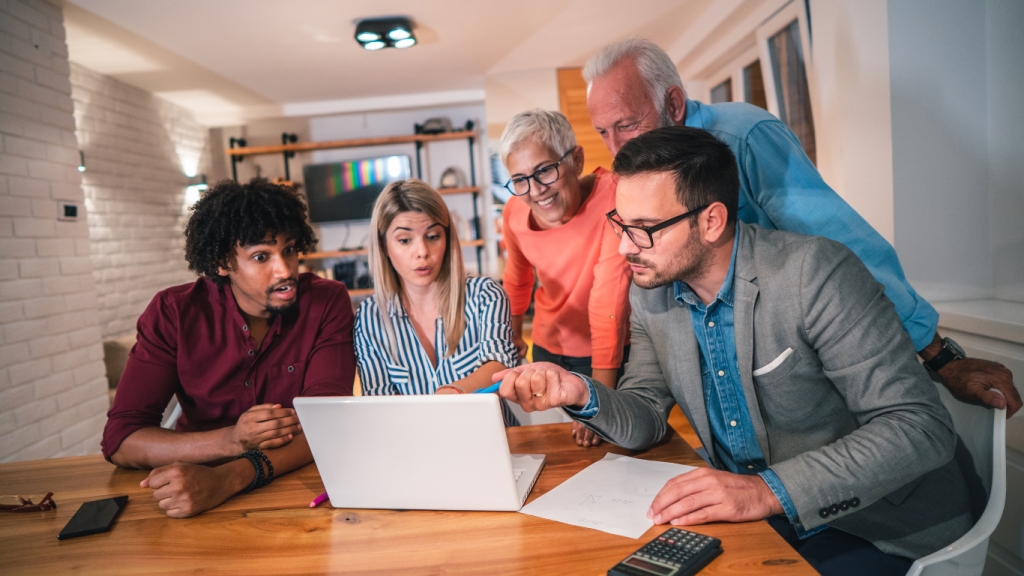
column 414, row 195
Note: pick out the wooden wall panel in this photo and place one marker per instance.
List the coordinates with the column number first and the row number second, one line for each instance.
column 572, row 98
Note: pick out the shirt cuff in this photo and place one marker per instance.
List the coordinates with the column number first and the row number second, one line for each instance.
column 773, row 482
column 592, row 407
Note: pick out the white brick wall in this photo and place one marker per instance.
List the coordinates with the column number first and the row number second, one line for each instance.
column 136, row 147
column 53, row 395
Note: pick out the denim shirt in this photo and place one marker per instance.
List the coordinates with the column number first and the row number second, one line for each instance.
column 735, row 441
column 781, row 189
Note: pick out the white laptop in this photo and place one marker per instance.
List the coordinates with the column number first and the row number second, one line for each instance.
column 446, row 452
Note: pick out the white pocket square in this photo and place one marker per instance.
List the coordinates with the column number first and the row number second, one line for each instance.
column 774, row 363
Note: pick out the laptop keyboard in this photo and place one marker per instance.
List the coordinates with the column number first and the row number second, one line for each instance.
column 518, row 473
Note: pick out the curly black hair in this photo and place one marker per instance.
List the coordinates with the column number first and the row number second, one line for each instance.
column 233, row 214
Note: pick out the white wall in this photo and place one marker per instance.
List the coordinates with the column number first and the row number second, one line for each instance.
column 138, row 149
column 509, row 93
column 940, row 146
column 1004, row 20
column 53, row 390
column 850, row 49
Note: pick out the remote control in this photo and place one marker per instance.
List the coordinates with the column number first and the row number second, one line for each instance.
column 674, row 553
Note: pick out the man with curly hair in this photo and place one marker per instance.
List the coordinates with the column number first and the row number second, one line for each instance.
column 236, row 346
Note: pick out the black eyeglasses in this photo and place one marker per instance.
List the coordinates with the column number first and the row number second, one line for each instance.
column 646, row 239
column 545, row 175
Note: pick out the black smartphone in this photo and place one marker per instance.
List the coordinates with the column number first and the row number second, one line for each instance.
column 93, row 517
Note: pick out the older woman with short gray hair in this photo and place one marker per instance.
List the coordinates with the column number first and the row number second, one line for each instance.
column 556, row 224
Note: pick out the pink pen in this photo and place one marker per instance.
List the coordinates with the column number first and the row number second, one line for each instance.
column 316, row 501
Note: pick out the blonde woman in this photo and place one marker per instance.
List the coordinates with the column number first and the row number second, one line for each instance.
column 427, row 328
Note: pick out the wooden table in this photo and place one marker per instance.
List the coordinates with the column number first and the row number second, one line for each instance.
column 273, row 531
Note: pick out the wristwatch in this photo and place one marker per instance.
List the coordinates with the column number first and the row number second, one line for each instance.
column 950, row 351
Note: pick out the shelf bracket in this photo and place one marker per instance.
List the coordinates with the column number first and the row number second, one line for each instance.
column 286, row 139
column 419, row 160
column 476, row 212
column 235, row 159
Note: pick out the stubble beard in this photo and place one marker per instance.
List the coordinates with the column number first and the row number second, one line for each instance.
column 697, row 257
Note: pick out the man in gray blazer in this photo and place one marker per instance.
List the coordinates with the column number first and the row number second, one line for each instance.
column 788, row 359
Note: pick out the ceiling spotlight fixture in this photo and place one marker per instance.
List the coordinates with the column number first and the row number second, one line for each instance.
column 391, row 32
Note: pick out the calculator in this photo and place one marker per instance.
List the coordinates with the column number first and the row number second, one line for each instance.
column 674, row 553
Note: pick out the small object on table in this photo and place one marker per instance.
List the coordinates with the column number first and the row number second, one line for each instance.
column 93, row 517
column 318, row 500
column 41, row 503
column 675, row 553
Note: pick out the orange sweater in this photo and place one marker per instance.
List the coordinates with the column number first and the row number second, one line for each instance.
column 582, row 305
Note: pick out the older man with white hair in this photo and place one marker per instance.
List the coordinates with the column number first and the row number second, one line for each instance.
column 633, row 87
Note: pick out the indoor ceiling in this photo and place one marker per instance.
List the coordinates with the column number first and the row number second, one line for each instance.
column 233, row 60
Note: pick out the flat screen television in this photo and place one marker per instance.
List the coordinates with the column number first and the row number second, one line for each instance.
column 347, row 190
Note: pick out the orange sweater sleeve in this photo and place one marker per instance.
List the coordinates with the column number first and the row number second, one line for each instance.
column 609, row 303
column 518, row 277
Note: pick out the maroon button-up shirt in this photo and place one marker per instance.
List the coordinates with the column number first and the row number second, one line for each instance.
column 193, row 342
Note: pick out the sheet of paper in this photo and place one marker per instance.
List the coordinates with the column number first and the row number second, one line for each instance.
column 611, row 495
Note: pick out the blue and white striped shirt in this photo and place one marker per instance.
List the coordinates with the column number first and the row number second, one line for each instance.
column 488, row 336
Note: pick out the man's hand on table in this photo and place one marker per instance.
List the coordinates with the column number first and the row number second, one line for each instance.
column 709, row 495
column 262, row 427
column 185, row 490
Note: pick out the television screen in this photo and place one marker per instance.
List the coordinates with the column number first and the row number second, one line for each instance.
column 346, row 190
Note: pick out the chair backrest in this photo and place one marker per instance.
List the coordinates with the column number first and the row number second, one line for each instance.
column 171, row 414
column 982, row 433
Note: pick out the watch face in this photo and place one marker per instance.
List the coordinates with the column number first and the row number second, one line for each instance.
column 952, row 345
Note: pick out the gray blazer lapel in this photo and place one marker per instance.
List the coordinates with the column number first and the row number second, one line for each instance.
column 745, row 292
column 685, row 370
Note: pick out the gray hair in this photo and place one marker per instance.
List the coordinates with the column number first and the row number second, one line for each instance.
column 548, row 128
column 652, row 63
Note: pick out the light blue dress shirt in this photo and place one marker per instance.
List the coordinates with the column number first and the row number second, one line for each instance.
column 780, row 189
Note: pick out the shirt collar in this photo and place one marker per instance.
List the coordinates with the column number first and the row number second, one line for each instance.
column 684, row 295
column 693, row 118
column 226, row 297
column 395, row 307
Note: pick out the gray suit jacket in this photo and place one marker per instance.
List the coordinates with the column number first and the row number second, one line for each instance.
column 841, row 407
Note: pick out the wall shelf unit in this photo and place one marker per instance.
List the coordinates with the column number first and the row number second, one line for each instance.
column 289, row 150
column 362, row 251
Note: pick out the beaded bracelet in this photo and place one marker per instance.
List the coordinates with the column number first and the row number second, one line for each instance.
column 258, row 459
column 255, row 461
column 270, row 469
column 455, row 386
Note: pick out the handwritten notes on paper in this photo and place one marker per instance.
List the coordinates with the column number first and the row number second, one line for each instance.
column 611, row 495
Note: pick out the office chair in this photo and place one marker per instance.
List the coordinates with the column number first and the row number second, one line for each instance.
column 171, row 414
column 983, row 434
